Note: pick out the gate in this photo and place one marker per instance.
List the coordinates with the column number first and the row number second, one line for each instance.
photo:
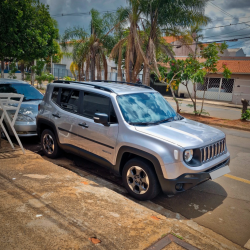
column 216, row 89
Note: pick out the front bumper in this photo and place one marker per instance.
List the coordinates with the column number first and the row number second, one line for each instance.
column 24, row 129
column 169, row 185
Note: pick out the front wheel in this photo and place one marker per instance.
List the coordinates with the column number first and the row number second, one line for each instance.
column 49, row 144
column 140, row 179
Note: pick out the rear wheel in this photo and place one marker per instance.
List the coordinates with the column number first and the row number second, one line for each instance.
column 140, row 179
column 49, row 144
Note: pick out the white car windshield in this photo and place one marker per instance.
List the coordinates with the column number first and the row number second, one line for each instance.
column 146, row 108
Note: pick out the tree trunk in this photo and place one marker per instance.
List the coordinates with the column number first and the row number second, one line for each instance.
column 98, row 67
column 146, row 75
column 176, row 101
column 22, row 70
column 32, row 74
column 92, row 67
column 2, row 68
column 87, row 69
column 105, row 66
column 245, row 104
column 119, row 75
column 202, row 102
column 193, row 100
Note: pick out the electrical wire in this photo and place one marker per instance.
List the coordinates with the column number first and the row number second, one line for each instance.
column 226, row 25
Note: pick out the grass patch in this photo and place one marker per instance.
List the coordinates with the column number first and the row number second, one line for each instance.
column 178, row 236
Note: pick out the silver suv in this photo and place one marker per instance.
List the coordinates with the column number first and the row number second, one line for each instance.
column 133, row 131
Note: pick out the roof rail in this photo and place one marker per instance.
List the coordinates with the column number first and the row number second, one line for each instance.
column 84, row 83
column 127, row 83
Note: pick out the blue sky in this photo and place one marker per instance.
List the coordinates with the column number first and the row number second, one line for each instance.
column 222, row 12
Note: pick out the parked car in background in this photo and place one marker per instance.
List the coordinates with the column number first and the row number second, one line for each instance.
column 216, row 90
column 134, row 132
column 26, row 120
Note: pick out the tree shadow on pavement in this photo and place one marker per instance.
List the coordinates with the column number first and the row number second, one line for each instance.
column 195, row 202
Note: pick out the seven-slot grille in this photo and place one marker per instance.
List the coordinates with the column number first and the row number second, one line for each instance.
column 213, row 150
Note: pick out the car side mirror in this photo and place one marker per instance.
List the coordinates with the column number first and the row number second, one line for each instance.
column 101, row 118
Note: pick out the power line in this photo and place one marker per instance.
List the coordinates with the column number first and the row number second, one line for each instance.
column 225, row 25
column 224, row 12
column 227, row 33
column 80, row 13
column 222, row 19
column 218, row 41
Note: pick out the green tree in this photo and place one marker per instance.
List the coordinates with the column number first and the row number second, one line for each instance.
column 191, row 69
column 90, row 48
column 30, row 33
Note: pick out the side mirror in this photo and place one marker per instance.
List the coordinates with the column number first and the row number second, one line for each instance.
column 101, row 118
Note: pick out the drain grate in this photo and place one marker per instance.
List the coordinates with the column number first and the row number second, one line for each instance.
column 165, row 241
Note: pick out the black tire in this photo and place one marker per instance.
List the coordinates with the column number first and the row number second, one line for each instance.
column 52, row 151
column 140, row 190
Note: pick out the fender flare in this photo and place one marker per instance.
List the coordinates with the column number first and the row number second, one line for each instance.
column 143, row 154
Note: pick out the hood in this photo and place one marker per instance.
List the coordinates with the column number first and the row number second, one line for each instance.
column 185, row 133
column 29, row 108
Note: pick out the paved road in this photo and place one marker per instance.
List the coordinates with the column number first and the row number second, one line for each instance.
column 222, row 205
column 214, row 111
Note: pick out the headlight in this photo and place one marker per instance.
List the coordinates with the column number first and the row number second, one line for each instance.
column 21, row 117
column 188, row 155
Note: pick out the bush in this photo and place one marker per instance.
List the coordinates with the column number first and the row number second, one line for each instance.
column 245, row 116
column 50, row 78
column 67, row 78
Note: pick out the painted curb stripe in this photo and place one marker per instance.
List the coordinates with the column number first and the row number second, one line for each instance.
column 237, row 178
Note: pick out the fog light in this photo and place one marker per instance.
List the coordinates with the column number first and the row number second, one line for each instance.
column 189, row 176
column 179, row 186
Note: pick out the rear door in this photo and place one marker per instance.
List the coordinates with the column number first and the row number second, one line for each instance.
column 93, row 137
column 65, row 114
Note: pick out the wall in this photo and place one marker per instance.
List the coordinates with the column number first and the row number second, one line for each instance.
column 241, row 91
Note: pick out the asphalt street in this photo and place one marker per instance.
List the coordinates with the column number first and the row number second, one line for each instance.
column 222, row 205
column 213, row 110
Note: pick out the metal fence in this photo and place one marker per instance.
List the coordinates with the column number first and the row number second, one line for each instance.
column 216, row 89
column 59, row 73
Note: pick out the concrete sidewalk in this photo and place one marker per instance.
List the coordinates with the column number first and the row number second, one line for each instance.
column 45, row 206
column 211, row 102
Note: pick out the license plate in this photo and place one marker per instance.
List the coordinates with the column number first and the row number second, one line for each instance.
column 217, row 173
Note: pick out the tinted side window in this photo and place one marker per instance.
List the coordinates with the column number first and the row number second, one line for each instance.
column 54, row 95
column 69, row 100
column 112, row 116
column 93, row 103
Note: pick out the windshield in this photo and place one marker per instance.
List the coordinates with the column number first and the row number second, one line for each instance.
column 29, row 92
column 146, row 108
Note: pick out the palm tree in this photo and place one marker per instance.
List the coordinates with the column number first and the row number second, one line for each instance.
column 147, row 22
column 90, row 48
column 131, row 38
column 164, row 16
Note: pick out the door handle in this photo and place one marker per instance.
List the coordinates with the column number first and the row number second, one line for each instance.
column 83, row 125
column 56, row 115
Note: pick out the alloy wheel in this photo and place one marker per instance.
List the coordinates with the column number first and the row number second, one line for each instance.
column 48, row 144
column 137, row 180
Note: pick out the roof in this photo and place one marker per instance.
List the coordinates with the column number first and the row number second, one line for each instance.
column 117, row 88
column 234, row 50
column 236, row 66
column 170, row 39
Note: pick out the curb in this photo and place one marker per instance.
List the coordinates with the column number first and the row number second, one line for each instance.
column 219, row 125
column 214, row 104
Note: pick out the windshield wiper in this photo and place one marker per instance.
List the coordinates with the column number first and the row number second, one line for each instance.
column 165, row 120
column 141, row 123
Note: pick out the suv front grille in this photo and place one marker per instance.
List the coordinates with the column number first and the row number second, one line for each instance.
column 213, row 150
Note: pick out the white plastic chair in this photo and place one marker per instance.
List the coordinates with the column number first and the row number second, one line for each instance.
column 7, row 103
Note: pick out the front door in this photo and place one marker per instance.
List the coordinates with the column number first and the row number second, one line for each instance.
column 93, row 137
